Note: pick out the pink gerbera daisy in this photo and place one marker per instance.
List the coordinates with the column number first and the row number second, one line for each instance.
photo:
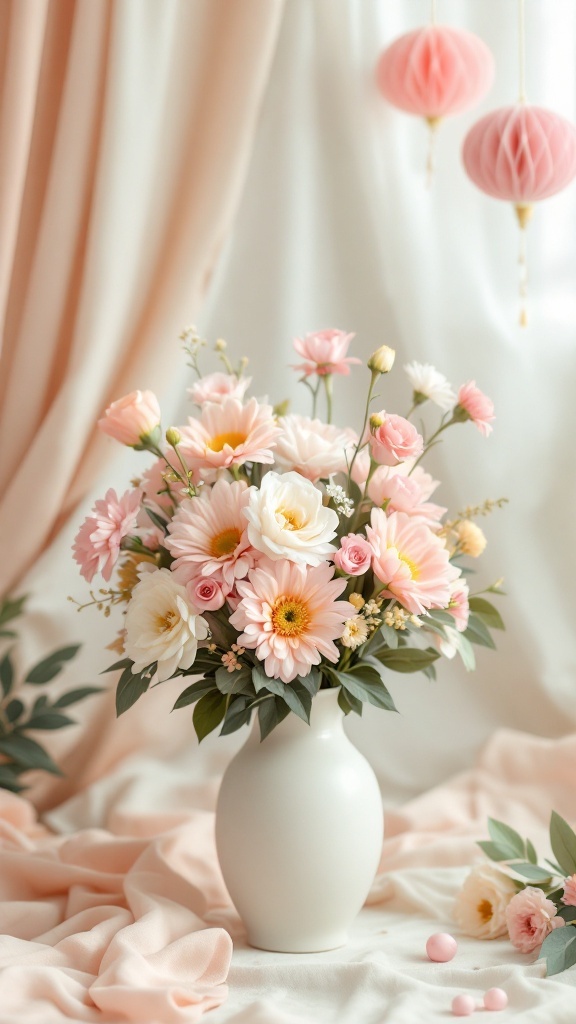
column 97, row 543
column 476, row 406
column 290, row 616
column 208, row 535
column 411, row 561
column 228, row 434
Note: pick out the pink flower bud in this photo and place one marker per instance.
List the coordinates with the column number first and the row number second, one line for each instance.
column 132, row 419
column 354, row 555
column 205, row 594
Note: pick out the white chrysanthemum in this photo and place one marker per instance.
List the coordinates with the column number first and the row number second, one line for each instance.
column 314, row 449
column 288, row 520
column 162, row 626
column 427, row 381
column 355, row 632
column 480, row 908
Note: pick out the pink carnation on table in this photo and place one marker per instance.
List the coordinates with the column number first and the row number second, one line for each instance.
column 394, row 440
column 530, row 917
column 406, row 493
column 569, row 897
column 289, row 616
column 312, row 448
column 325, row 353
column 354, row 555
column 411, row 561
column 477, row 405
column 229, row 434
column 132, row 418
column 97, row 543
column 216, row 386
column 205, row 594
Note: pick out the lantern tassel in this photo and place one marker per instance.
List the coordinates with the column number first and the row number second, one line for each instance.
column 433, row 123
column 524, row 212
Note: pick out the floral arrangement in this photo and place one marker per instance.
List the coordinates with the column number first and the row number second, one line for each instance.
column 532, row 903
column 273, row 554
column 21, row 753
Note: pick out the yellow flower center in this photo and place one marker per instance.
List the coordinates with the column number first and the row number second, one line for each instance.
column 290, row 617
column 164, row 623
column 485, row 911
column 410, row 565
column 233, row 438
column 289, row 519
column 225, row 542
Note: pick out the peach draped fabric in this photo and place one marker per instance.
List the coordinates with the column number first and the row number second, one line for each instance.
column 125, row 130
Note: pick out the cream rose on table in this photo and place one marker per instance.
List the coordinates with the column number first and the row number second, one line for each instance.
column 162, row 626
column 481, row 904
column 288, row 520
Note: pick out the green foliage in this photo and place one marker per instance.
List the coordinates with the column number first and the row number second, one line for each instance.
column 559, row 950
column 486, row 611
column 130, row 687
column 208, row 713
column 563, row 843
column 20, row 752
column 408, row 659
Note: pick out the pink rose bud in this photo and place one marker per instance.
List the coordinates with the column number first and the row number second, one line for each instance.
column 394, row 440
column 132, row 420
column 206, row 594
column 354, row 555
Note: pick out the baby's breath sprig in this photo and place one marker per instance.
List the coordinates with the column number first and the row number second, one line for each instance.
column 342, row 502
column 192, row 343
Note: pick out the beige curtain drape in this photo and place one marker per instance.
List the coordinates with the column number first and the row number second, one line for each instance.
column 125, row 130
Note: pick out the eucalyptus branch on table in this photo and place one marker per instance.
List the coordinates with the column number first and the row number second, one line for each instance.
column 20, row 752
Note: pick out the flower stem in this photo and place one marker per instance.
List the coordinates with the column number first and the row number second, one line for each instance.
column 328, row 389
column 360, row 445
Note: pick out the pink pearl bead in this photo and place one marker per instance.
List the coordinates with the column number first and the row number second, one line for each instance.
column 441, row 947
column 495, row 999
column 463, row 1006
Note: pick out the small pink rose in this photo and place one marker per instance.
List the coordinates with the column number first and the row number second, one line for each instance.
column 206, row 594
column 354, row 555
column 530, row 917
column 394, row 440
column 477, row 407
column 131, row 419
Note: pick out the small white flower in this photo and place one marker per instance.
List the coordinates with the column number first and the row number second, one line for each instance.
column 355, row 632
column 161, row 625
column 481, row 904
column 430, row 383
column 288, row 520
column 341, row 500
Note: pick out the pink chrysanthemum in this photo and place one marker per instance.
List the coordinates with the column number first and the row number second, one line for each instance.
column 477, row 405
column 208, row 535
column 569, row 897
column 290, row 616
column 459, row 606
column 217, row 386
column 530, row 917
column 229, row 434
column 97, row 543
column 411, row 561
column 312, row 448
column 325, row 353
column 406, row 493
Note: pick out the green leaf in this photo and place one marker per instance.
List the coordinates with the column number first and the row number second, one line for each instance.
column 125, row 663
column 270, row 713
column 158, row 521
column 75, row 696
column 506, row 838
column 299, row 701
column 6, row 674
column 11, row 609
column 234, row 682
column 487, row 612
column 263, row 682
column 559, row 950
column 27, row 753
column 8, row 779
column 477, row 633
column 365, row 684
column 493, row 850
column 49, row 720
column 14, row 710
column 130, row 688
column 349, row 703
column 208, row 713
column 438, row 615
column 430, row 671
column 238, row 714
column 407, row 659
column 532, row 872
column 390, row 636
column 9, row 634
column 531, row 852
column 194, row 692
column 311, row 682
column 567, row 913
column 563, row 842
column 51, row 666
column 555, row 867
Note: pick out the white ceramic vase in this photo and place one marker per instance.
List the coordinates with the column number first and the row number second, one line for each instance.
column 299, row 828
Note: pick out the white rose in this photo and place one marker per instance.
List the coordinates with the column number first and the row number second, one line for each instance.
column 288, row 520
column 162, row 626
column 481, row 904
column 314, row 449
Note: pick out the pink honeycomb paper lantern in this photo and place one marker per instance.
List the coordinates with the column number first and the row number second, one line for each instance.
column 521, row 154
